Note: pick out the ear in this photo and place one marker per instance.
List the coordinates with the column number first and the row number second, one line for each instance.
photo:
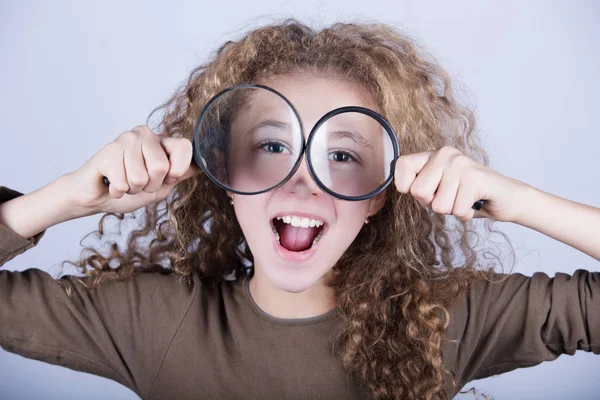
column 376, row 203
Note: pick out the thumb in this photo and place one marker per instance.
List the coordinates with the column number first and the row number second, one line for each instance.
column 193, row 170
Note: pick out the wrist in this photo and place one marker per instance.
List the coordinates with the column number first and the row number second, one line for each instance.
column 529, row 201
column 32, row 213
column 61, row 190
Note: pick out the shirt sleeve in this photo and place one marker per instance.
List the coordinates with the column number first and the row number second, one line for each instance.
column 120, row 330
column 520, row 321
column 12, row 244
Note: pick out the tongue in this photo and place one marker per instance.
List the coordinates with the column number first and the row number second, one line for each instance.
column 295, row 238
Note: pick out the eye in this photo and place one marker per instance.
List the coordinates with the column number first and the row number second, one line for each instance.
column 340, row 156
column 273, row 147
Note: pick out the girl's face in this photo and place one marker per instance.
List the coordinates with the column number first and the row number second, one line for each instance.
column 278, row 246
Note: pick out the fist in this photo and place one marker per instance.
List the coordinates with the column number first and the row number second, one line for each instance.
column 142, row 168
column 448, row 182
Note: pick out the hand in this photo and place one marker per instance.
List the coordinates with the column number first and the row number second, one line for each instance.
column 449, row 182
column 142, row 168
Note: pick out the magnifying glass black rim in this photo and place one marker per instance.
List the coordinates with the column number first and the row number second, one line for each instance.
column 196, row 144
column 388, row 128
column 304, row 145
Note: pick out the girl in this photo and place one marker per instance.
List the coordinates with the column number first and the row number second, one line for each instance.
column 227, row 295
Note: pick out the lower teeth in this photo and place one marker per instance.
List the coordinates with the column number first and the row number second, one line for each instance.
column 319, row 236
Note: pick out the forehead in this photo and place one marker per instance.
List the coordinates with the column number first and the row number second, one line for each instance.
column 315, row 95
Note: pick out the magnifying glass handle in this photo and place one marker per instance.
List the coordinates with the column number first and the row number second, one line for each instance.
column 478, row 204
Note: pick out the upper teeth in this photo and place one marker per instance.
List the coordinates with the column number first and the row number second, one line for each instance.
column 299, row 221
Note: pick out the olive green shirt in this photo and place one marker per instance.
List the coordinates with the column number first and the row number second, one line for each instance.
column 164, row 340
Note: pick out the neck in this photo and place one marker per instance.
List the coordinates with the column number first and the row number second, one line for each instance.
column 317, row 300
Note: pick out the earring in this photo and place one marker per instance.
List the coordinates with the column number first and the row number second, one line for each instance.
column 366, row 221
column 231, row 201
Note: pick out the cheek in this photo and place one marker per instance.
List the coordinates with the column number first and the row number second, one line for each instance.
column 249, row 216
column 352, row 211
column 350, row 217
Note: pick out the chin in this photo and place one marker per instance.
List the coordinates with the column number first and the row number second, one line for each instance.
column 291, row 282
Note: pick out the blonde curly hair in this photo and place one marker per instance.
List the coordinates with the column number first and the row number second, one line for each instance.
column 393, row 291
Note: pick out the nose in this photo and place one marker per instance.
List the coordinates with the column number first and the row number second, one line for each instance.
column 302, row 183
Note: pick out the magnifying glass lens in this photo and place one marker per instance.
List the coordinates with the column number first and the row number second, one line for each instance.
column 351, row 154
column 249, row 139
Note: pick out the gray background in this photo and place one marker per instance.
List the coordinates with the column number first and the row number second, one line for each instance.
column 74, row 76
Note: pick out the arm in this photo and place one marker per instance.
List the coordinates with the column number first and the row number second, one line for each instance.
column 575, row 224
column 522, row 321
column 32, row 213
column 12, row 244
column 120, row 331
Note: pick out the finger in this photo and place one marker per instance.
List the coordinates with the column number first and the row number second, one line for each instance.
column 135, row 167
column 444, row 197
column 427, row 181
column 157, row 163
column 113, row 169
column 441, row 162
column 193, row 170
column 465, row 197
column 181, row 166
column 406, row 169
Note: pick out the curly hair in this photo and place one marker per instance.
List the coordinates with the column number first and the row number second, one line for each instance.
column 396, row 281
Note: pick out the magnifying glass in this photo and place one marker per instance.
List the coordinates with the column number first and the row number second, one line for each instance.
column 248, row 139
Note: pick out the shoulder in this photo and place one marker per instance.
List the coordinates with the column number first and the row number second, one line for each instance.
column 148, row 287
column 486, row 289
column 173, row 287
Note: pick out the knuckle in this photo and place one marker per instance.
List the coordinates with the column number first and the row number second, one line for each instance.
column 439, row 208
column 400, row 184
column 115, row 193
column 464, row 218
column 181, row 145
column 187, row 144
column 111, row 147
column 140, row 128
column 174, row 174
column 418, row 192
column 457, row 160
column 185, row 147
column 127, row 138
column 401, row 163
column 120, row 186
column 158, row 169
column 461, row 215
column 138, row 180
column 144, row 131
column 448, row 150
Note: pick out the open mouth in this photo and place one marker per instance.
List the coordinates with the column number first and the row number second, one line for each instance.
column 297, row 234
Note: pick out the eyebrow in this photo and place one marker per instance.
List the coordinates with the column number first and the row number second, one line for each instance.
column 268, row 122
column 354, row 136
